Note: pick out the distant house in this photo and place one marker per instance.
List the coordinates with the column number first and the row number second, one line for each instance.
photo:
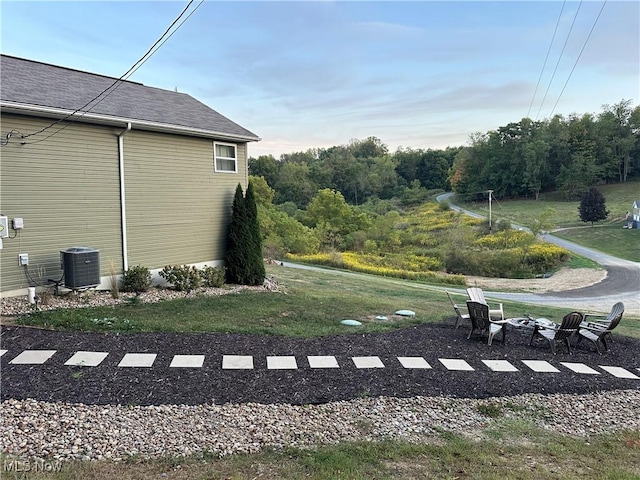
column 636, row 214
column 144, row 175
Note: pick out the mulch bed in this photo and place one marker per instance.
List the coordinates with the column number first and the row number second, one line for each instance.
column 109, row 384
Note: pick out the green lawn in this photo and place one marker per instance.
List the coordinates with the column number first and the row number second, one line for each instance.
column 612, row 239
column 619, row 198
column 311, row 304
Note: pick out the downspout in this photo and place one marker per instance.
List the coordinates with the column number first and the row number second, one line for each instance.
column 123, row 205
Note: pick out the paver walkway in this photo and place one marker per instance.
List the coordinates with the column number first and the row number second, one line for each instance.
column 290, row 362
column 425, row 360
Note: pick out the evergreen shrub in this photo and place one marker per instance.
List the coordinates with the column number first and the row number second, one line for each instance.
column 136, row 279
column 243, row 260
column 213, row 276
column 182, row 277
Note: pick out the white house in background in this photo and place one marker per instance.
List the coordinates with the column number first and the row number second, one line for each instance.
column 636, row 214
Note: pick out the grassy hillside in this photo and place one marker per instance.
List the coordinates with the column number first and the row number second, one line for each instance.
column 608, row 236
column 311, row 304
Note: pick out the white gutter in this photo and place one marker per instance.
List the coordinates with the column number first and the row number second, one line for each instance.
column 87, row 117
column 123, row 205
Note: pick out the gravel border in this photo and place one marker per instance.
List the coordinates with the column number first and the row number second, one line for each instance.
column 35, row 429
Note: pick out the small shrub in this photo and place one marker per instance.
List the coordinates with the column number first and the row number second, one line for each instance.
column 44, row 295
column 182, row 277
column 213, row 276
column 543, row 257
column 444, row 206
column 113, row 278
column 136, row 279
column 492, row 410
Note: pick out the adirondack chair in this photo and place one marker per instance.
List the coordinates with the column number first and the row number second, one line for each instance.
column 597, row 332
column 477, row 295
column 481, row 321
column 460, row 317
column 558, row 333
column 600, row 321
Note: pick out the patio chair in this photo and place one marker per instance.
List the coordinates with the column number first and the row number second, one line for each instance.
column 558, row 333
column 617, row 310
column 597, row 332
column 477, row 295
column 481, row 321
column 460, row 317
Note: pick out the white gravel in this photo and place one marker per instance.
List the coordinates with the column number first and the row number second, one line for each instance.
column 11, row 306
column 33, row 429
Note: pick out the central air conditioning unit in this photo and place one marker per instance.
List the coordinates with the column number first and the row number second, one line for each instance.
column 81, row 266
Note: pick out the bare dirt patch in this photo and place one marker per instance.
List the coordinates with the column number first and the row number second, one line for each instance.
column 564, row 279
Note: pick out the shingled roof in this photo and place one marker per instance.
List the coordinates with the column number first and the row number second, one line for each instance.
column 49, row 90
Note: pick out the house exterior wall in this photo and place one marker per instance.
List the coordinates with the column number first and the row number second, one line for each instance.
column 178, row 207
column 67, row 189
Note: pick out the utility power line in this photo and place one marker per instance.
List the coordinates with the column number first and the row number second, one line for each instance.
column 546, row 57
column 579, row 55
column 111, row 88
column 559, row 58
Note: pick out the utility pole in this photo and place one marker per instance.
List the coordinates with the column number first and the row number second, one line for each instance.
column 490, row 192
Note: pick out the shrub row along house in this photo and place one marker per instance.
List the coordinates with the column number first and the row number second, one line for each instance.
column 144, row 176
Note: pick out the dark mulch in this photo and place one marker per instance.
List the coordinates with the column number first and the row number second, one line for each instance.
column 109, row 384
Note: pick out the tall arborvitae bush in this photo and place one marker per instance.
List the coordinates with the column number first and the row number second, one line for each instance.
column 255, row 261
column 243, row 260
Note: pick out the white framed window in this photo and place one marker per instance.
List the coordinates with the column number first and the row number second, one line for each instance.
column 225, row 158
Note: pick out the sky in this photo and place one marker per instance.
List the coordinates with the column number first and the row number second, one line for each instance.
column 303, row 74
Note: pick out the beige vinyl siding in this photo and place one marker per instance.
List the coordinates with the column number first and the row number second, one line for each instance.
column 67, row 190
column 178, row 207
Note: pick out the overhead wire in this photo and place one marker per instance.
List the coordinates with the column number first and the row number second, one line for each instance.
column 559, row 58
column 546, row 57
column 579, row 55
column 111, row 88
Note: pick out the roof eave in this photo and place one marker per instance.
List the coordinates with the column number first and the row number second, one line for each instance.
column 100, row 119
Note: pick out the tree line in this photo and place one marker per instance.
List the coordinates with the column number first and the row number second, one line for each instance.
column 522, row 159
column 360, row 170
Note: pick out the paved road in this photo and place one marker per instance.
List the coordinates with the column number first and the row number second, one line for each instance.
column 622, row 282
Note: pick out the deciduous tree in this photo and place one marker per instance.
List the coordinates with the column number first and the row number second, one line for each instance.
column 592, row 206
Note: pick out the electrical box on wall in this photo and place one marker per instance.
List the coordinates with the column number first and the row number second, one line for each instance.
column 4, row 227
column 18, row 223
column 23, row 259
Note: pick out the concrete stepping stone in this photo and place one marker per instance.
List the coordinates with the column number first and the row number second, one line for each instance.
column 413, row 362
column 322, row 361
column 138, row 360
column 619, row 372
column 540, row 366
column 456, row 364
column 33, row 357
column 2, row 352
column 282, row 363
column 580, row 368
column 367, row 362
column 187, row 361
column 500, row 365
column 87, row 359
column 237, row 362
